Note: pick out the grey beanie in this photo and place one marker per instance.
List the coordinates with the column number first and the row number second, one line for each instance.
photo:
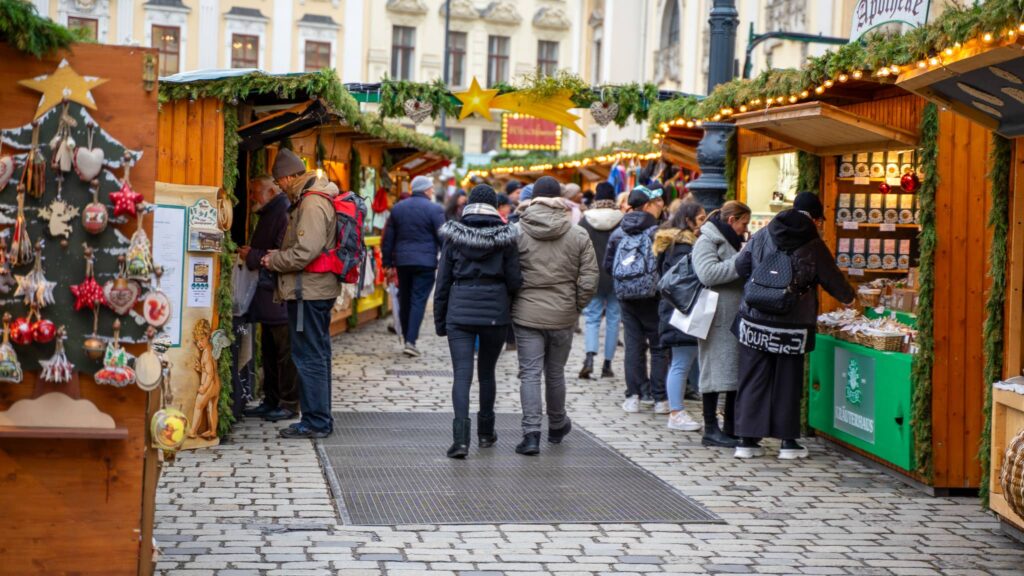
column 286, row 163
column 421, row 184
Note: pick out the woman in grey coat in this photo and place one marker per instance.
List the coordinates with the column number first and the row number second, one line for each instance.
column 713, row 258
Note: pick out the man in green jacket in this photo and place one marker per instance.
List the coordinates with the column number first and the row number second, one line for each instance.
column 309, row 296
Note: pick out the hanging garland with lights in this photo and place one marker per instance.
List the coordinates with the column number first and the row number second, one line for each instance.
column 617, row 152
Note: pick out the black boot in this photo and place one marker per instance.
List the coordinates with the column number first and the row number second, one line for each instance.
column 460, row 438
column 555, row 436
column 588, row 366
column 606, row 370
column 729, row 416
column 485, row 436
column 530, row 446
column 713, row 435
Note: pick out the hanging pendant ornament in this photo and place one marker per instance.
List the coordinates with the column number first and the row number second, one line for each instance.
column 884, row 188
column 148, row 366
column 168, row 426
column 115, row 371
column 58, row 369
column 62, row 145
column 126, row 199
column 21, row 245
column 33, row 175
column 6, row 167
column 59, row 214
column 140, row 254
column 88, row 294
column 156, row 306
column 6, row 279
column 88, row 160
column 95, row 216
column 910, row 182
column 21, row 331
column 36, row 290
column 604, row 112
column 43, row 330
column 10, row 368
column 417, row 110
column 121, row 293
column 93, row 344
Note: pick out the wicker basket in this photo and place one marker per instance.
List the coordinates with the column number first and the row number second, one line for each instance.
column 829, row 329
column 885, row 343
column 1011, row 477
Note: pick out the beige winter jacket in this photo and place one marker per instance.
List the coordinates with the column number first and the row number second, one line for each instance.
column 311, row 230
column 559, row 267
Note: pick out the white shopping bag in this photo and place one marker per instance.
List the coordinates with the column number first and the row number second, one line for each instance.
column 698, row 322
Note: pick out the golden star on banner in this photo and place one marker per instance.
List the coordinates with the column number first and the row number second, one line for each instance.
column 63, row 85
column 476, row 100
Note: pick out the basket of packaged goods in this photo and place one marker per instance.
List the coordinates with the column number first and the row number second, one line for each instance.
column 869, row 297
column 832, row 323
column 883, row 334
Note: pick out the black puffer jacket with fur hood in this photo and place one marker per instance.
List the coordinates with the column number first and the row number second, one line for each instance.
column 478, row 273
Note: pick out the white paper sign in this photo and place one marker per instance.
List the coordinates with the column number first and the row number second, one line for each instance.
column 887, row 227
column 169, row 252
column 851, row 225
column 870, row 14
column 855, row 271
column 200, row 282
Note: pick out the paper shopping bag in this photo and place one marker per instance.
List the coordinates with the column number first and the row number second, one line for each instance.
column 698, row 322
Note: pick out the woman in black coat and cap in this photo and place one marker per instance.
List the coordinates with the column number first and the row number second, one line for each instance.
column 477, row 277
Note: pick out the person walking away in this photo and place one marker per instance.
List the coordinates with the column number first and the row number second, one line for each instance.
column 599, row 222
column 453, row 207
column 631, row 262
column 674, row 241
column 409, row 252
column 573, row 196
column 721, row 239
column 477, row 277
column 560, row 276
column 777, row 330
column 280, row 382
column 309, row 296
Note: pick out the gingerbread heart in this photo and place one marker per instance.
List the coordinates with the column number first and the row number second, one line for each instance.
column 88, row 162
column 6, row 170
column 121, row 296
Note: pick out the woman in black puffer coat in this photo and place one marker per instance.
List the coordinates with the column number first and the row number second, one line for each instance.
column 477, row 277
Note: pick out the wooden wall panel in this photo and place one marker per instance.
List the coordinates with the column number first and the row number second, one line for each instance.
column 903, row 112
column 1013, row 360
column 191, row 143
column 752, row 143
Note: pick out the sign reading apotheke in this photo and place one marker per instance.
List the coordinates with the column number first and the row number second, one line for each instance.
column 854, row 393
column 870, row 14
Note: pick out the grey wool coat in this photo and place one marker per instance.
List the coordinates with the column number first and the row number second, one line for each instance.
column 714, row 261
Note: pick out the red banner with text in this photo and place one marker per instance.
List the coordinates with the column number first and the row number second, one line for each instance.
column 521, row 132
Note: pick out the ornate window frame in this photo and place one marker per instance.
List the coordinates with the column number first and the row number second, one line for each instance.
column 174, row 16
column 317, row 32
column 98, row 10
column 249, row 26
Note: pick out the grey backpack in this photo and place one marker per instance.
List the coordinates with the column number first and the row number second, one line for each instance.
column 635, row 269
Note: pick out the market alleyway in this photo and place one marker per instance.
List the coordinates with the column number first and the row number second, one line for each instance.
column 259, row 505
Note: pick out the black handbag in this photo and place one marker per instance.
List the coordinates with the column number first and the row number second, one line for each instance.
column 680, row 285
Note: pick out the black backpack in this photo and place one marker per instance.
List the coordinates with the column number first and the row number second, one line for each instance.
column 771, row 289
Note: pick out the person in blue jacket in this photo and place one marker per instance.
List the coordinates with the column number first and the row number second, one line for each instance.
column 409, row 250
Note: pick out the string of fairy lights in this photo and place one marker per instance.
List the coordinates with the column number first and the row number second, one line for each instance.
column 596, row 160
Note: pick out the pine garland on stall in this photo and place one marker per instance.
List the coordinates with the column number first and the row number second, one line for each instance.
column 999, row 221
column 808, row 168
column 225, row 322
column 22, row 27
column 921, row 373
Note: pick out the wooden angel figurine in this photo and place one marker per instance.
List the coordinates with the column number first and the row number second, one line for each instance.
column 208, row 395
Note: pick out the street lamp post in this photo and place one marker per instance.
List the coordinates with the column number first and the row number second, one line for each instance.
column 447, row 25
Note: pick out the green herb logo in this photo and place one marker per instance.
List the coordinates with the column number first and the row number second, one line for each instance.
column 853, row 382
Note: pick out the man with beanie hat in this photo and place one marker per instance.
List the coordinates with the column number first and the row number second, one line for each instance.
column 309, row 296
column 560, row 275
column 773, row 343
column 512, row 189
column 600, row 221
column 409, row 250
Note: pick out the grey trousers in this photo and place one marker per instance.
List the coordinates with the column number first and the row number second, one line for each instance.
column 542, row 352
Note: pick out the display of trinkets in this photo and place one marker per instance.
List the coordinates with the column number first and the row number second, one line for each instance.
column 57, row 368
column 140, row 254
column 10, row 368
column 156, row 306
column 115, row 371
column 95, row 216
column 33, row 287
column 88, row 160
column 121, row 293
column 89, row 293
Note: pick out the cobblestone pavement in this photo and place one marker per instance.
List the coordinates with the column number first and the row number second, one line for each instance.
column 261, row 506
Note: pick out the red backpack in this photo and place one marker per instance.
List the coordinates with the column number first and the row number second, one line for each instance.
column 349, row 249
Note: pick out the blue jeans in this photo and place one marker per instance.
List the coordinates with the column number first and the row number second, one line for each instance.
column 684, row 361
column 311, row 353
column 609, row 306
column 414, row 286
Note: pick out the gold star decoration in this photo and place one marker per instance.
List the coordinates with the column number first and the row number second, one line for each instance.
column 63, row 85
column 476, row 100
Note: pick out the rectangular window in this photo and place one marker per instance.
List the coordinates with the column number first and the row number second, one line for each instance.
column 245, row 51
column 497, row 59
column 167, row 41
column 89, row 26
column 457, row 58
column 403, row 49
column 490, row 141
column 456, row 136
column 318, row 55
column 547, row 57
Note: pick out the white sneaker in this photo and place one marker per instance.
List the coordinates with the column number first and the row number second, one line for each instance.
column 661, row 407
column 682, row 421
column 411, row 351
column 792, row 451
column 632, row 404
column 748, row 452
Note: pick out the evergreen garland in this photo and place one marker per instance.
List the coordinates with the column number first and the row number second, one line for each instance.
column 808, row 168
column 637, row 147
column 22, row 27
column 225, row 322
column 921, row 372
column 999, row 221
column 732, row 154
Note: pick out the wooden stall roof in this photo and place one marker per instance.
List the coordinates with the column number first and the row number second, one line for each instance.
column 680, row 146
column 824, row 129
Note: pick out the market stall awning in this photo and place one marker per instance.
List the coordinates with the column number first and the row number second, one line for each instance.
column 680, row 146
column 824, row 129
column 286, row 123
column 981, row 81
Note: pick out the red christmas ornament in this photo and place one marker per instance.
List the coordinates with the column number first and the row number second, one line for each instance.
column 88, row 294
column 125, row 200
column 21, row 331
column 909, row 182
column 883, row 188
column 43, row 331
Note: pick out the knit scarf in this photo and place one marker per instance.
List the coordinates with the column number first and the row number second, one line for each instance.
column 730, row 235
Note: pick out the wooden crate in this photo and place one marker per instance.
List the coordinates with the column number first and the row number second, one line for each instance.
column 1007, row 422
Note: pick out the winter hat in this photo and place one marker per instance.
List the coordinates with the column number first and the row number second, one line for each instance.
column 526, row 194
column 421, row 184
column 605, row 191
column 286, row 163
column 547, row 187
column 810, row 203
column 511, row 186
column 570, row 191
column 642, row 195
column 503, row 200
column 483, row 194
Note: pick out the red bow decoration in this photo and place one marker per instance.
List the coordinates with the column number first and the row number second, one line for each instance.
column 125, row 200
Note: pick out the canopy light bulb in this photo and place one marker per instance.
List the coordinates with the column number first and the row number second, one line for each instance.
column 689, row 124
column 933, row 61
column 843, row 77
column 948, row 51
column 717, row 117
column 987, row 37
column 857, row 74
column 743, row 108
column 829, row 83
column 792, row 99
column 922, row 64
column 895, row 69
column 819, row 90
column 804, row 94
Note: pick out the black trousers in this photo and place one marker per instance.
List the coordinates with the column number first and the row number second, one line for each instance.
column 461, row 342
column 640, row 320
column 280, row 382
column 768, row 401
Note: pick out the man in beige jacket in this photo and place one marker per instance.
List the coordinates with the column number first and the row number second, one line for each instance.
column 309, row 296
column 560, row 276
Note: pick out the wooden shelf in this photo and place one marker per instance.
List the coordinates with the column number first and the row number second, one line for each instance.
column 64, row 433
column 899, row 272
column 874, row 225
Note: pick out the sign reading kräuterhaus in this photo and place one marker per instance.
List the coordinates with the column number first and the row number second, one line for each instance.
column 854, row 393
column 870, row 14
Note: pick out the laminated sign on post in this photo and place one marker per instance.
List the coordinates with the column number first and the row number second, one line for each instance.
column 521, row 132
column 870, row 14
column 855, row 401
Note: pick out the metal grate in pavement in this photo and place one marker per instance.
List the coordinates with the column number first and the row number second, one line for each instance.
column 425, row 373
column 390, row 468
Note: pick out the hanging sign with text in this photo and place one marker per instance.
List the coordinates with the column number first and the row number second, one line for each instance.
column 870, row 14
column 521, row 132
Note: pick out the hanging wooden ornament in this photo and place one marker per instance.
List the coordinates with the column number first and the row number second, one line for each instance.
column 604, row 112
column 417, row 110
column 121, row 293
column 6, row 166
column 62, row 145
column 140, row 254
column 59, row 214
column 148, row 367
column 33, row 176
column 21, row 244
column 88, row 160
column 88, row 294
column 115, row 371
column 93, row 344
column 6, row 279
column 10, row 368
column 36, row 290
column 58, row 369
column 126, row 200
column 156, row 306
column 95, row 216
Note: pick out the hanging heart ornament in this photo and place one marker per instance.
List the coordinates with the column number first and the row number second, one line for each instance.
column 121, row 295
column 417, row 110
column 89, row 160
column 604, row 112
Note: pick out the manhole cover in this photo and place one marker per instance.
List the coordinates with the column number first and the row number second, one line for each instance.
column 390, row 468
